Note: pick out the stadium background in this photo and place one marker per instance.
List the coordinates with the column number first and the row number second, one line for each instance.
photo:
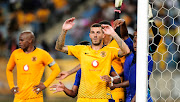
column 45, row 18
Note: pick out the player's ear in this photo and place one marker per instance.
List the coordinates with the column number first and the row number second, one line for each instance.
column 103, row 35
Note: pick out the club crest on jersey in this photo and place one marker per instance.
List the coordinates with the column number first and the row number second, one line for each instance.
column 34, row 58
column 26, row 67
column 95, row 63
column 103, row 53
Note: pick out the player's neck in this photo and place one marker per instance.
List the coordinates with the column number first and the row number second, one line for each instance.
column 29, row 49
column 107, row 40
column 97, row 47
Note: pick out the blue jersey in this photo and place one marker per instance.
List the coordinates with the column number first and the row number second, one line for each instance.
column 78, row 76
column 132, row 75
column 127, row 65
column 129, row 43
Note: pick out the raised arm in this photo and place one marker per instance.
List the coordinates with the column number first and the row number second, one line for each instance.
column 68, row 24
column 123, row 28
column 122, row 45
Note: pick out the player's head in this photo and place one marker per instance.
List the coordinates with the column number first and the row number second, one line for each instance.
column 26, row 39
column 96, row 34
column 105, row 22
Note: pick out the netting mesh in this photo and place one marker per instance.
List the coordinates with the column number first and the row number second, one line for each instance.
column 165, row 78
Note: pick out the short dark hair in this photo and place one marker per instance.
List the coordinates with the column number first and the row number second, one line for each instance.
column 105, row 22
column 96, row 25
column 84, row 43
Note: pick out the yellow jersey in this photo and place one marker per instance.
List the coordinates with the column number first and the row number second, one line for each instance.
column 117, row 93
column 94, row 63
column 30, row 68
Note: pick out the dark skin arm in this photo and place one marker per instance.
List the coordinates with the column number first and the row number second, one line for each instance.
column 123, row 84
column 123, row 28
column 108, row 79
column 61, row 87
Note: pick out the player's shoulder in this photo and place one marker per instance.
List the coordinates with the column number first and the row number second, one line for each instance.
column 111, row 48
column 130, row 56
column 17, row 50
column 41, row 51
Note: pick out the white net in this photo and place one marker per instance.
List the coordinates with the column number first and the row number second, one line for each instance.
column 165, row 78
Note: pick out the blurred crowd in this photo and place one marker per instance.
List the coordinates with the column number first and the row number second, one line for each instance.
column 40, row 15
column 35, row 15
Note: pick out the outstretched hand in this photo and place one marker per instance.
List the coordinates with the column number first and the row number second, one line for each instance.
column 107, row 29
column 62, row 75
column 57, row 87
column 105, row 78
column 118, row 23
column 68, row 24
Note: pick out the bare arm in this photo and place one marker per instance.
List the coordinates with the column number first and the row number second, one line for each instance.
column 123, row 28
column 61, row 87
column 72, row 93
column 68, row 24
column 122, row 45
column 65, row 74
column 75, row 69
column 60, row 42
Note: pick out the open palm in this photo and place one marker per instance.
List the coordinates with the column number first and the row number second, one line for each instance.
column 68, row 24
column 107, row 29
column 57, row 87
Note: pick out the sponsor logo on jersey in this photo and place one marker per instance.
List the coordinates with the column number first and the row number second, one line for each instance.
column 95, row 63
column 26, row 67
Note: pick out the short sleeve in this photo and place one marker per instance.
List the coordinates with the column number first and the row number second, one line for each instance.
column 114, row 52
column 78, row 78
column 47, row 59
column 75, row 50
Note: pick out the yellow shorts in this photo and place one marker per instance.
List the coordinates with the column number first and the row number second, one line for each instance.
column 118, row 96
column 40, row 99
column 91, row 100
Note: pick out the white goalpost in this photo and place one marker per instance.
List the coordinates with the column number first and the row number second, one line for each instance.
column 142, row 51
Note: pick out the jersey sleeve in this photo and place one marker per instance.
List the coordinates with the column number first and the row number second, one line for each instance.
column 114, row 52
column 47, row 59
column 129, row 42
column 10, row 66
column 78, row 78
column 75, row 50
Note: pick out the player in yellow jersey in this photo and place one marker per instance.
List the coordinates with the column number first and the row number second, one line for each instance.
column 95, row 60
column 30, row 62
column 118, row 93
